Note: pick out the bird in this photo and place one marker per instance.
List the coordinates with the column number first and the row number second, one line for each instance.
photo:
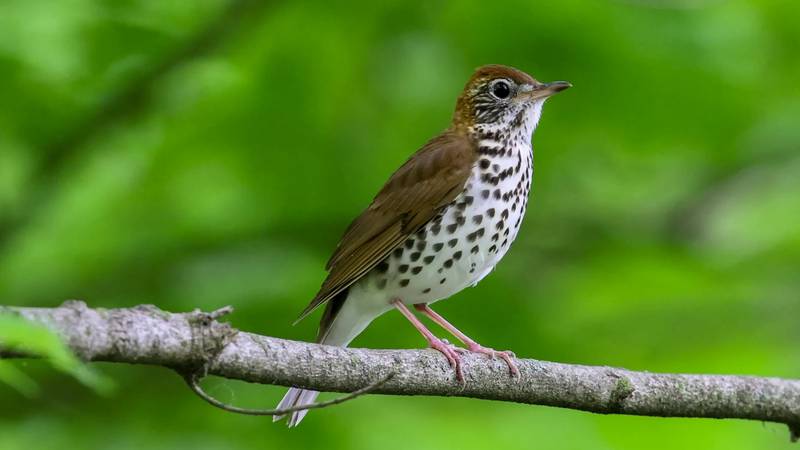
column 440, row 224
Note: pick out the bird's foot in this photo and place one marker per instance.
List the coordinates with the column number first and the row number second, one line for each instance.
column 506, row 356
column 451, row 352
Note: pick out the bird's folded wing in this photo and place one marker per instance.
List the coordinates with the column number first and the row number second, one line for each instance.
column 428, row 181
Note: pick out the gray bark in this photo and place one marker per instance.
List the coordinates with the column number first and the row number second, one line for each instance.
column 197, row 341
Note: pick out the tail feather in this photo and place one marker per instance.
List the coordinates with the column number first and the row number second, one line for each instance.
column 340, row 324
column 296, row 397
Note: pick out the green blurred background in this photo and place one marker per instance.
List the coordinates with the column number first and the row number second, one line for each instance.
column 204, row 153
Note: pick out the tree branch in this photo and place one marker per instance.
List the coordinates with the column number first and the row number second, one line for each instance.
column 196, row 341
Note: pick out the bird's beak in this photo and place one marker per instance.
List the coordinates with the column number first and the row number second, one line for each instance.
column 545, row 90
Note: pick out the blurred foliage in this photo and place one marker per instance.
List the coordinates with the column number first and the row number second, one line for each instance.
column 152, row 152
column 17, row 334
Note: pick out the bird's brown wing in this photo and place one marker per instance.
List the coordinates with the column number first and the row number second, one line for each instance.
column 429, row 180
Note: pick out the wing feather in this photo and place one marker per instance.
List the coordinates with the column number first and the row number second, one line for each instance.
column 428, row 181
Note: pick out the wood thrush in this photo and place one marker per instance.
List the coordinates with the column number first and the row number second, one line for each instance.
column 441, row 223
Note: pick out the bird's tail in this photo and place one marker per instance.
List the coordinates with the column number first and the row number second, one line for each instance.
column 339, row 326
column 296, row 397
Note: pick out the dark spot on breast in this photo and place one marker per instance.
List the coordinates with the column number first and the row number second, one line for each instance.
column 484, row 163
column 452, row 242
column 477, row 219
column 485, row 193
column 402, row 268
column 436, row 228
column 442, row 280
column 382, row 267
column 428, row 259
column 460, row 220
column 457, row 255
column 448, row 264
column 415, row 256
column 421, row 245
column 398, row 252
column 404, row 282
column 495, row 237
column 493, row 249
column 489, row 151
column 490, row 212
column 474, row 250
column 410, row 244
column 426, row 290
column 500, row 225
column 452, row 228
column 437, row 246
column 416, row 269
column 468, row 199
column 517, row 122
column 381, row 283
column 497, row 194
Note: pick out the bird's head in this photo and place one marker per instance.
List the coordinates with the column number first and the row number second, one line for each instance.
column 503, row 98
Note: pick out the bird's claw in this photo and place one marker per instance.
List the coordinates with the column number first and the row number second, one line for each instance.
column 452, row 353
column 506, row 356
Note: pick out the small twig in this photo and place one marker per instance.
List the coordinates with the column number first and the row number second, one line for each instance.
column 192, row 381
column 224, row 311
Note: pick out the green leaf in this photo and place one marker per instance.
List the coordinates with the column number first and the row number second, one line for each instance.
column 18, row 380
column 19, row 334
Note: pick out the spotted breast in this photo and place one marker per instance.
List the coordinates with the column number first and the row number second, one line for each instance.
column 465, row 241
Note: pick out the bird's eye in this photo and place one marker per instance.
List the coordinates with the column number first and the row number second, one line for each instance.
column 501, row 89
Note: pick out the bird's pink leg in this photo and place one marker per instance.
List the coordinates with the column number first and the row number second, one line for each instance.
column 434, row 342
column 472, row 346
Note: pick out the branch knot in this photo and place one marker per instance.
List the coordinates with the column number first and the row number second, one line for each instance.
column 623, row 388
column 209, row 337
